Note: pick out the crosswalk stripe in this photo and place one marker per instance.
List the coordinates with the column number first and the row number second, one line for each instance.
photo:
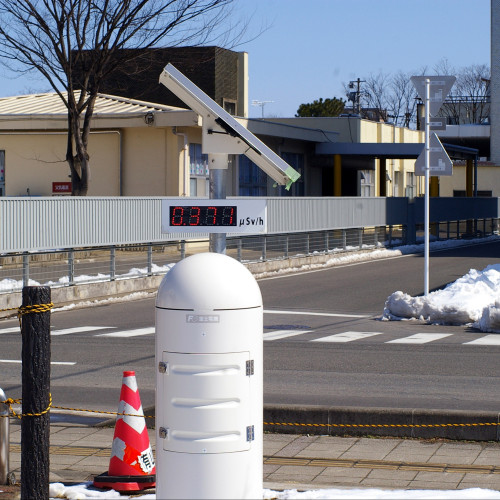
column 420, row 338
column 283, row 334
column 18, row 361
column 129, row 333
column 346, row 337
column 79, row 329
column 486, row 340
column 310, row 313
column 14, row 329
column 350, row 336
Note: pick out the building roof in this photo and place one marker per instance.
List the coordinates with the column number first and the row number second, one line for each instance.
column 48, row 112
column 52, row 104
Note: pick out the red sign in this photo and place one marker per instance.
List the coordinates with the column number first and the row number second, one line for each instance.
column 61, row 188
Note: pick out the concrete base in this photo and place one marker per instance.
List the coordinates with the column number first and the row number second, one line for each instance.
column 85, row 292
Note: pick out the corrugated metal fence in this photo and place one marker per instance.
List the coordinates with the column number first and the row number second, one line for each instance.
column 35, row 224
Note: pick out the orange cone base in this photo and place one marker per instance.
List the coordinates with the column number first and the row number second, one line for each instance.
column 125, row 483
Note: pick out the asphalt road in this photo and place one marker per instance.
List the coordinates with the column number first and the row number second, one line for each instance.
column 324, row 343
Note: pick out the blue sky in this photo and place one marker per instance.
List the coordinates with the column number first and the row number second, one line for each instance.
column 311, row 47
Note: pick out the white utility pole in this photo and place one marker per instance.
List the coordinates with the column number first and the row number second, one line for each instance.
column 426, row 187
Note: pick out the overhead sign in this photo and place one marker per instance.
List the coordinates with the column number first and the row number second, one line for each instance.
column 192, row 215
column 439, row 161
column 440, row 87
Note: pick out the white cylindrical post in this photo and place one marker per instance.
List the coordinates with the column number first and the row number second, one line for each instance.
column 426, row 187
column 209, row 391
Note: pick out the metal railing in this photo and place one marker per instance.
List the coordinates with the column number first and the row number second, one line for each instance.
column 68, row 267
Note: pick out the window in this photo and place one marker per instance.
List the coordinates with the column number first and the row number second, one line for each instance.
column 366, row 183
column 198, row 162
column 252, row 180
column 397, row 176
column 410, row 185
column 198, row 171
column 229, row 106
column 193, row 187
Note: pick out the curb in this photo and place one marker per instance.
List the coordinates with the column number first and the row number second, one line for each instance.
column 390, row 422
column 380, row 422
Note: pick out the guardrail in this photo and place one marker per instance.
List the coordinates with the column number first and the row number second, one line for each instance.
column 73, row 266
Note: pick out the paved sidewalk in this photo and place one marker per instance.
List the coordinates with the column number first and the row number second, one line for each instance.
column 79, row 452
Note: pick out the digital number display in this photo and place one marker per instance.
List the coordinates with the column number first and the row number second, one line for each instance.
column 202, row 216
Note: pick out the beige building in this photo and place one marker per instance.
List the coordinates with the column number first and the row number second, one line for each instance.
column 144, row 149
column 369, row 164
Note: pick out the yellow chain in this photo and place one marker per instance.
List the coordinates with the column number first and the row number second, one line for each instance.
column 9, row 402
column 383, row 425
column 37, row 308
column 103, row 412
column 23, row 310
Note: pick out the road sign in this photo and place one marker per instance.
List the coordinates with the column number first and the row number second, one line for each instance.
column 436, row 123
column 439, row 161
column 440, row 87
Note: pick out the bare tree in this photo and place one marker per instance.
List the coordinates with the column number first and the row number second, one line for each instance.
column 375, row 94
column 75, row 44
column 468, row 101
column 402, row 101
column 385, row 96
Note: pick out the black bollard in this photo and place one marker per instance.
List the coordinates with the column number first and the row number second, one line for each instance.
column 35, row 423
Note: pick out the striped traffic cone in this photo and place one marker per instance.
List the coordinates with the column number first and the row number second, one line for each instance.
column 131, row 466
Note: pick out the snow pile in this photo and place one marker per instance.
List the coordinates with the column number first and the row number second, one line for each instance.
column 85, row 490
column 472, row 299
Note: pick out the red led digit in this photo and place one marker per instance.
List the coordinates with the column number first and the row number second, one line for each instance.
column 194, row 216
column 177, row 216
column 227, row 218
column 211, row 219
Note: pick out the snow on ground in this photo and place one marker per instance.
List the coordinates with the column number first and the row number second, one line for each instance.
column 84, row 490
column 473, row 299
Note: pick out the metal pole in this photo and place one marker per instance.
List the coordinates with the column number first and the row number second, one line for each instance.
column 26, row 268
column 112, row 263
column 150, row 259
column 217, row 178
column 426, row 187
column 239, row 248
column 4, row 439
column 71, row 267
